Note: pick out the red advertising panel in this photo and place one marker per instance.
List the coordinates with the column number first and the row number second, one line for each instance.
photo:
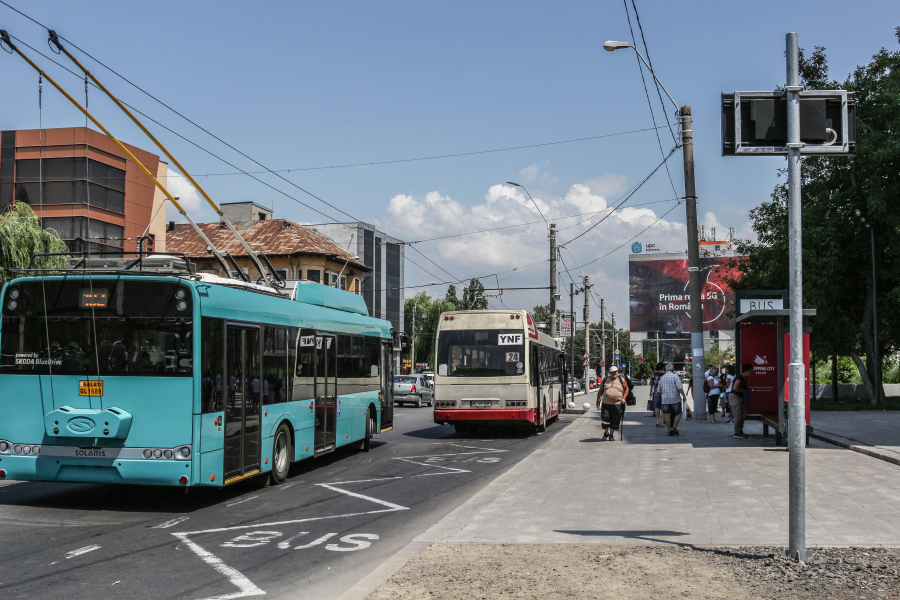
column 787, row 361
column 759, row 348
column 659, row 299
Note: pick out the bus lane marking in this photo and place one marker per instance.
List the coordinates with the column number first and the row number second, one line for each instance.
column 287, row 543
column 321, row 540
column 81, row 551
column 171, row 523
column 247, row 588
column 241, row 501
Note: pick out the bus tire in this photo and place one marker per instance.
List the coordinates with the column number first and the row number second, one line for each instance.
column 366, row 444
column 281, row 454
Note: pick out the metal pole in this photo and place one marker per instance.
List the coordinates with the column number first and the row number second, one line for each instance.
column 695, row 276
column 587, row 331
column 796, row 372
column 602, row 337
column 553, row 331
column 875, row 320
column 615, row 340
column 413, row 352
column 572, row 336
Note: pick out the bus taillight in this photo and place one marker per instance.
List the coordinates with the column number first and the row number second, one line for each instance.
column 2, row 473
column 182, row 480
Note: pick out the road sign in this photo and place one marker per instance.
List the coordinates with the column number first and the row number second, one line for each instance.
column 602, row 363
column 565, row 326
column 586, row 363
column 617, row 354
column 624, row 365
column 827, row 123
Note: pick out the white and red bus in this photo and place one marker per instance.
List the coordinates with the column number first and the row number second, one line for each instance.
column 495, row 366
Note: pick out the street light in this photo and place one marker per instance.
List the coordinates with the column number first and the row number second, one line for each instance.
column 338, row 281
column 690, row 205
column 874, row 308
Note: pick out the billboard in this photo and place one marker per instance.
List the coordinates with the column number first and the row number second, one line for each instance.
column 659, row 298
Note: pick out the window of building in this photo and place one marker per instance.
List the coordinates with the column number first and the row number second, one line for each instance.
column 313, row 275
column 92, row 231
column 282, row 273
column 7, row 167
column 70, row 181
column 344, row 283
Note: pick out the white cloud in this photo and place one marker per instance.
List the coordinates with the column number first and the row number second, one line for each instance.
column 189, row 198
column 500, row 250
column 529, row 174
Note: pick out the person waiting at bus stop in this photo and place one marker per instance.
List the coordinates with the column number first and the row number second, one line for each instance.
column 671, row 387
column 611, row 402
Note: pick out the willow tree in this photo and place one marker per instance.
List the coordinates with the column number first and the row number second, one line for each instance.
column 21, row 237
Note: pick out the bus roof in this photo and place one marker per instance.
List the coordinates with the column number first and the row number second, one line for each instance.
column 504, row 319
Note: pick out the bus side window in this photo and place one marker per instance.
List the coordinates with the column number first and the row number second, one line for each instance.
column 371, row 363
column 212, row 361
column 305, row 369
column 274, row 384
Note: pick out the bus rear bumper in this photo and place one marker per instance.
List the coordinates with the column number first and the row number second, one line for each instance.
column 69, row 470
column 482, row 415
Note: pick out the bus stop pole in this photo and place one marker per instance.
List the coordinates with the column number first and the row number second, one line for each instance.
column 796, row 370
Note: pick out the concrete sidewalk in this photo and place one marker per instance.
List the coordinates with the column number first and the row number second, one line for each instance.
column 872, row 432
column 703, row 487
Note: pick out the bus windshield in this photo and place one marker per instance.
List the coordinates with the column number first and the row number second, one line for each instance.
column 481, row 353
column 101, row 326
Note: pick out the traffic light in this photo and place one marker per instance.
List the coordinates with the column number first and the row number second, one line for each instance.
column 404, row 342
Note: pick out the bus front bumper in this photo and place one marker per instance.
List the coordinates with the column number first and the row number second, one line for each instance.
column 501, row 415
column 73, row 470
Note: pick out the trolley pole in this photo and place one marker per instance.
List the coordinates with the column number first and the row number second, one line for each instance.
column 553, row 330
column 698, row 365
column 587, row 330
column 796, row 371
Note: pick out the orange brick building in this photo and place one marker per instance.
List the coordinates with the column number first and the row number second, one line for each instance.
column 82, row 185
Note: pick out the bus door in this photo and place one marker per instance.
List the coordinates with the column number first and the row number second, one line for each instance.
column 326, row 392
column 387, row 386
column 242, row 407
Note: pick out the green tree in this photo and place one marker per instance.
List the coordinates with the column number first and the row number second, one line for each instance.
column 451, row 298
column 541, row 313
column 21, row 236
column 473, row 296
column 836, row 252
column 427, row 312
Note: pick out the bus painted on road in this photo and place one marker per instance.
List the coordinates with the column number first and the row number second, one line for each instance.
column 184, row 380
column 495, row 366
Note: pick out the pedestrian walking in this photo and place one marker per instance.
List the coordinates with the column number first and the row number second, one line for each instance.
column 611, row 402
column 655, row 397
column 672, row 397
column 726, row 405
column 736, row 398
column 713, row 389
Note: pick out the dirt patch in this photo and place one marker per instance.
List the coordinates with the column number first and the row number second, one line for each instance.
column 557, row 571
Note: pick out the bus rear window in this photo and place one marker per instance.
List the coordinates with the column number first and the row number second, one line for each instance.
column 79, row 327
column 481, row 353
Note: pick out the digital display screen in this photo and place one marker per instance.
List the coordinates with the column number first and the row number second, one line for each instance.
column 93, row 298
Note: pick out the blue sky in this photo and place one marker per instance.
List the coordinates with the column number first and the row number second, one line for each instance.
column 299, row 85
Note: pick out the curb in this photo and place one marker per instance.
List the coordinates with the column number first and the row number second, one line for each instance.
column 854, row 445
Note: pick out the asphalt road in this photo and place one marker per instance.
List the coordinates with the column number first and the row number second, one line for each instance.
column 330, row 524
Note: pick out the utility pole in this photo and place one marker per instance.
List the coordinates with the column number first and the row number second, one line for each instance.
column 587, row 329
column 572, row 336
column 602, row 336
column 696, row 277
column 553, row 331
column 796, row 370
column 615, row 340
column 413, row 349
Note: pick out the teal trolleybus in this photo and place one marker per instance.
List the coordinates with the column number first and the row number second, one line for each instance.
column 141, row 371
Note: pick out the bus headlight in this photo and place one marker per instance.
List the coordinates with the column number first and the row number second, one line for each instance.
column 167, row 454
column 12, row 304
column 14, row 293
column 180, row 293
column 157, row 453
column 4, row 446
column 148, row 453
column 181, row 305
column 183, row 453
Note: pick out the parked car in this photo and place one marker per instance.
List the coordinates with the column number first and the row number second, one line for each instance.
column 573, row 383
column 430, row 377
column 413, row 389
column 638, row 382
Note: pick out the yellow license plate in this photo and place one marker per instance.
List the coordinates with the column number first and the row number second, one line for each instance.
column 90, row 388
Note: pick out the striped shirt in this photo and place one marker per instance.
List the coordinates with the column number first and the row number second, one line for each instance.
column 669, row 386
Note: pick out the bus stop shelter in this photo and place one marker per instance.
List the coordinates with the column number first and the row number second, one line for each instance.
column 763, row 341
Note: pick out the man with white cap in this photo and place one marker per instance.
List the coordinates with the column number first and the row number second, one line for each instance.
column 611, row 402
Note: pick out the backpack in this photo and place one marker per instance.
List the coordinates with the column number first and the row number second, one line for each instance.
column 629, row 398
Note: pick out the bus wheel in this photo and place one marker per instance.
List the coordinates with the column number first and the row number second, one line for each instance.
column 366, row 444
column 281, row 454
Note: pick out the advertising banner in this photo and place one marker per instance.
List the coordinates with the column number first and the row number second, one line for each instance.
column 659, row 299
column 759, row 347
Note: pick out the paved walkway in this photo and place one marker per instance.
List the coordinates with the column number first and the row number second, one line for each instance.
column 703, row 487
column 873, row 432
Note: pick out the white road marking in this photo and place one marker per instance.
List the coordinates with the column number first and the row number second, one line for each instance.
column 241, row 501
column 287, row 485
column 252, row 539
column 81, row 551
column 449, row 470
column 168, row 524
column 321, row 540
column 235, row 577
column 287, row 543
column 358, row 544
column 390, row 505
column 364, row 480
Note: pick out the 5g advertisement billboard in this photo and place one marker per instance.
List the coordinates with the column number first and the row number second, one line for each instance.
column 659, row 298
